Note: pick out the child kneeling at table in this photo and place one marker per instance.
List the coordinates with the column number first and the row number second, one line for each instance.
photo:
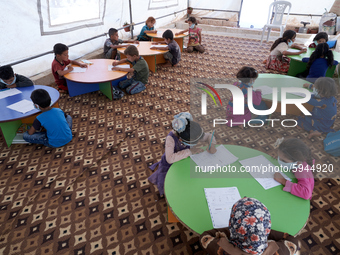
column 138, row 75
column 178, row 145
column 249, row 232
column 57, row 124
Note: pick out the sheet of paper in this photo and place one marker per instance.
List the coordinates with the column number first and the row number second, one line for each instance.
column 222, row 157
column 158, row 46
column 86, row 62
column 220, row 202
column 78, row 69
column 262, row 170
column 134, row 44
column 22, row 106
column 9, row 92
column 298, row 94
column 265, row 90
column 109, row 67
column 293, row 50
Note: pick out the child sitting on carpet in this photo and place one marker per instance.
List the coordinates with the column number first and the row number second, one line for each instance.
column 249, row 232
column 325, row 108
column 277, row 60
column 194, row 32
column 57, row 124
column 61, row 65
column 247, row 76
column 318, row 63
column 186, row 134
column 138, row 75
column 295, row 155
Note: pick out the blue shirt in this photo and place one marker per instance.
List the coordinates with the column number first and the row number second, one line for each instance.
column 142, row 36
column 58, row 131
column 318, row 68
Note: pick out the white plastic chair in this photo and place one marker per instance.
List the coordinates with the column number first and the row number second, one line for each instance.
column 278, row 8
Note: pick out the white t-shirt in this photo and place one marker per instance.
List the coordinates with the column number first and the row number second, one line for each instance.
column 281, row 47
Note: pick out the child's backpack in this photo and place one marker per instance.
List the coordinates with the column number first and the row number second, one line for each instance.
column 135, row 88
column 117, row 94
column 332, row 143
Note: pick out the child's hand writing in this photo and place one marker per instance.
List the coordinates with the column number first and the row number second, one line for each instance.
column 82, row 65
column 196, row 150
column 212, row 149
column 115, row 68
column 114, row 63
column 154, row 43
column 303, row 50
column 70, row 67
column 279, row 178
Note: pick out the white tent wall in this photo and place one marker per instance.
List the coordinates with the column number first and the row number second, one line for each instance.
column 27, row 30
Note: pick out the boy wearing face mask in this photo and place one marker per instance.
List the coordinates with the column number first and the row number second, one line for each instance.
column 277, row 59
column 295, row 155
column 8, row 79
column 58, row 125
column 195, row 36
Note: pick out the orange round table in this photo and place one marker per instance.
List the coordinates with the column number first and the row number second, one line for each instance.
column 152, row 57
column 96, row 77
column 178, row 38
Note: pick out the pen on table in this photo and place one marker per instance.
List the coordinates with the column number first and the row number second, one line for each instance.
column 212, row 137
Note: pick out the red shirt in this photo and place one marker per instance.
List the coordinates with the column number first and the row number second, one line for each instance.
column 56, row 66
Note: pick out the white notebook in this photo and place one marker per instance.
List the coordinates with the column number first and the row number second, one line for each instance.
column 22, row 106
column 220, row 202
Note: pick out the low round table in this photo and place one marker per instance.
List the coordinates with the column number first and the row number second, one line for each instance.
column 279, row 81
column 186, row 198
column 10, row 120
column 296, row 65
column 97, row 77
column 152, row 57
column 156, row 37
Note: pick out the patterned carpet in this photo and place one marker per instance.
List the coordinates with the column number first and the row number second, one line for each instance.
column 92, row 195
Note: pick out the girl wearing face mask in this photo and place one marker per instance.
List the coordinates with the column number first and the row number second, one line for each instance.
column 325, row 108
column 277, row 60
column 179, row 144
column 294, row 154
column 321, row 37
column 247, row 76
column 195, row 37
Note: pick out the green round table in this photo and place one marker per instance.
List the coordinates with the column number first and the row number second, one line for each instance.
column 184, row 192
column 296, row 65
column 279, row 81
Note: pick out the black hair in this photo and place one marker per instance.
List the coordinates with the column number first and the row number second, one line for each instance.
column 296, row 150
column 322, row 50
column 326, row 87
column 59, row 48
column 41, row 98
column 168, row 34
column 6, row 72
column 246, row 73
column 287, row 35
column 112, row 31
column 321, row 35
column 192, row 133
column 193, row 20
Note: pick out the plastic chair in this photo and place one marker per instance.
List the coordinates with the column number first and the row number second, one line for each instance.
column 277, row 8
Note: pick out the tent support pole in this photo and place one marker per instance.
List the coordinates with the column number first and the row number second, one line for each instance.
column 131, row 26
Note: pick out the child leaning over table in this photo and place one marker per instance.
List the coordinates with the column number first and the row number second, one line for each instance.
column 173, row 56
column 8, row 79
column 325, row 108
column 149, row 27
column 138, row 75
column 61, row 65
column 178, row 145
column 111, row 44
column 57, row 124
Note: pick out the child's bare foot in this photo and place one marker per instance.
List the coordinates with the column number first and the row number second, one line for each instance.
column 313, row 133
column 166, row 65
column 264, row 61
column 61, row 91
